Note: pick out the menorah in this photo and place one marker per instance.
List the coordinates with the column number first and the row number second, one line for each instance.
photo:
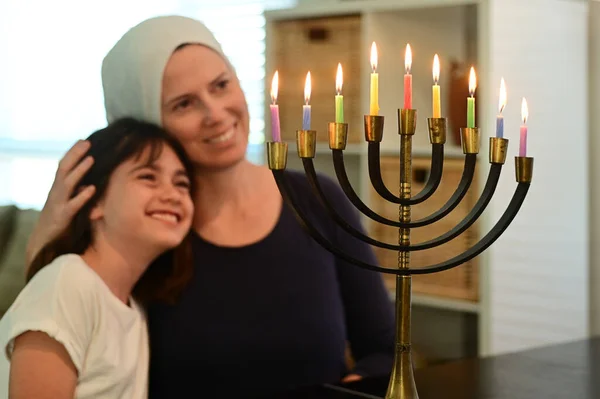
column 402, row 383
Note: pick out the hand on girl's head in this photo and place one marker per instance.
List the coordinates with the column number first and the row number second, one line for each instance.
column 63, row 202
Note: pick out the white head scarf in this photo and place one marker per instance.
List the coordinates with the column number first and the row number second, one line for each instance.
column 132, row 71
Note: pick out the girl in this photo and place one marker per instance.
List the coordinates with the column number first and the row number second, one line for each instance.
column 78, row 329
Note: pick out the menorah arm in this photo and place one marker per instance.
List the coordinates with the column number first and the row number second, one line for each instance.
column 288, row 198
column 437, row 167
column 478, row 208
column 482, row 245
column 311, row 174
column 459, row 193
column 504, row 221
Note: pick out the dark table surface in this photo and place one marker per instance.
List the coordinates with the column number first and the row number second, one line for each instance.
column 570, row 370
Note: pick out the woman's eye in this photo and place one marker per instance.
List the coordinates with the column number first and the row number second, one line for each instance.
column 183, row 104
column 223, row 84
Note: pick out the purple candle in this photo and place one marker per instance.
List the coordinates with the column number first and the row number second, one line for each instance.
column 306, row 106
column 275, row 130
column 306, row 117
column 501, row 105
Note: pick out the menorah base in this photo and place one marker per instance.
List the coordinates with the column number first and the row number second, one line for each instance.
column 402, row 382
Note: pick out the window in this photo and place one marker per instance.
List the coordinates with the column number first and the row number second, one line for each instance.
column 50, row 88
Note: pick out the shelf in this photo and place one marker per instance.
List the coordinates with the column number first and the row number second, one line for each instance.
column 335, row 8
column 442, row 303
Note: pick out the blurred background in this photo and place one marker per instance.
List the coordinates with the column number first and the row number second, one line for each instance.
column 537, row 285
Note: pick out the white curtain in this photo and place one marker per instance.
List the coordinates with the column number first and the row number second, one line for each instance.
column 50, row 89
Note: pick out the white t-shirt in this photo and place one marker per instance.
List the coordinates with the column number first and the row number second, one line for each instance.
column 106, row 339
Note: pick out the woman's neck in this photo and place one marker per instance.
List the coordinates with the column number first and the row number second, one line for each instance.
column 236, row 207
column 120, row 269
column 233, row 186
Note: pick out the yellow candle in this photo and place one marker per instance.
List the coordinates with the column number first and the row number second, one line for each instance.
column 374, row 93
column 437, row 103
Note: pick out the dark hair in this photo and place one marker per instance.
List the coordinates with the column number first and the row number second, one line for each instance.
column 118, row 142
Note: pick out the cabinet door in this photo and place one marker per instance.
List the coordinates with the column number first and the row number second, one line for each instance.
column 316, row 45
column 458, row 283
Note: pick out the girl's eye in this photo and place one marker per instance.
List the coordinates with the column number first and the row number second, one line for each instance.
column 183, row 184
column 147, row 176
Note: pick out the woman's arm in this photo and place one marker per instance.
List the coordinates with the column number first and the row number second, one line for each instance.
column 369, row 312
column 41, row 368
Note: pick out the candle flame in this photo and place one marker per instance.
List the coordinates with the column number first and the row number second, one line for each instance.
column 373, row 57
column 339, row 79
column 472, row 82
column 436, row 69
column 524, row 111
column 307, row 88
column 275, row 87
column 407, row 59
column 502, row 99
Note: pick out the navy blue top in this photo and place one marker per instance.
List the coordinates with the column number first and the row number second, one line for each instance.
column 275, row 314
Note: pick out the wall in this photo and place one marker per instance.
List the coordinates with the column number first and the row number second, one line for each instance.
column 539, row 268
column 594, row 107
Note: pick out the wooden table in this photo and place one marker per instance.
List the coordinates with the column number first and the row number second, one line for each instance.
column 566, row 371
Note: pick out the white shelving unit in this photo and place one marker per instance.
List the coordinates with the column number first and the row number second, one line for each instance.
column 533, row 291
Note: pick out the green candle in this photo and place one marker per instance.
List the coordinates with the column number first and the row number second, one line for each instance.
column 471, row 112
column 339, row 108
column 471, row 100
column 339, row 99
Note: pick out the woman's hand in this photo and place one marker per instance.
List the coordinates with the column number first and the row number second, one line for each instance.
column 351, row 378
column 61, row 205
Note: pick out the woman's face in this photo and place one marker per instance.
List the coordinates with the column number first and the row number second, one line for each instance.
column 204, row 107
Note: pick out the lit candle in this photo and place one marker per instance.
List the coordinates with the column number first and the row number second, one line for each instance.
column 501, row 105
column 407, row 78
column 275, row 130
column 306, row 106
column 339, row 99
column 471, row 100
column 374, row 94
column 523, row 141
column 437, row 102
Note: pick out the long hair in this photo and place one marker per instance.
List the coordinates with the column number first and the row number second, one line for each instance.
column 120, row 141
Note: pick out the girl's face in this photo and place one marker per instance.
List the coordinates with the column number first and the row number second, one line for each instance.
column 204, row 107
column 146, row 205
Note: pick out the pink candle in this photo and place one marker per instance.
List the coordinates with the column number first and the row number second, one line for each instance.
column 523, row 132
column 275, row 130
column 407, row 78
column 523, row 142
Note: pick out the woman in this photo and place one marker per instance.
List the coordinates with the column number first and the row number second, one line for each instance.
column 77, row 329
column 267, row 308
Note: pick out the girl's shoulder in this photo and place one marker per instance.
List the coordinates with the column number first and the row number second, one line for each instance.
column 66, row 270
column 67, row 277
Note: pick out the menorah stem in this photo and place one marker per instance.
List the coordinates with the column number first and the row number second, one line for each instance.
column 402, row 382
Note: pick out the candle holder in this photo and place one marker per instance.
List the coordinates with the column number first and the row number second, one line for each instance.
column 338, row 135
column 306, row 141
column 402, row 384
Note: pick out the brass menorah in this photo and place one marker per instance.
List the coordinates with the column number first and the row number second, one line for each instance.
column 402, row 383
